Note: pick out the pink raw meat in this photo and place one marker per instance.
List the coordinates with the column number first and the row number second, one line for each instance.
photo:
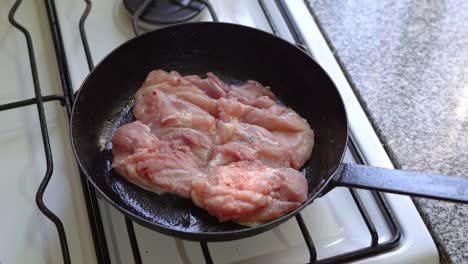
column 249, row 192
column 159, row 109
column 250, row 92
column 158, row 165
column 232, row 149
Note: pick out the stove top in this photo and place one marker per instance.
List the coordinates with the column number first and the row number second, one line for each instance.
column 66, row 39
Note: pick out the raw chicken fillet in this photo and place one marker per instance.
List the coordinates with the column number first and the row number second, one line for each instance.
column 232, row 149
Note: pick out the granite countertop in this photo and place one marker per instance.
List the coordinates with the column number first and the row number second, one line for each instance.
column 408, row 63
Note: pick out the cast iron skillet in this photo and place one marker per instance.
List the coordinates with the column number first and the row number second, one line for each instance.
column 236, row 54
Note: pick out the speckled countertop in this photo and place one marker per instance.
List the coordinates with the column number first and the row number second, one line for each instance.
column 408, row 63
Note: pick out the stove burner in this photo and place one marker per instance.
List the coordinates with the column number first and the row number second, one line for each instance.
column 166, row 11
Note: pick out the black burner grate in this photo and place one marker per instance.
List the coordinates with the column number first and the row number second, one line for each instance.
column 67, row 99
column 163, row 12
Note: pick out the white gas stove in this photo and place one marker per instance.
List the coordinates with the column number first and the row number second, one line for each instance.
column 344, row 225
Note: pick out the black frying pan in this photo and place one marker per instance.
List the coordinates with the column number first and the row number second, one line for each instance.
column 236, row 54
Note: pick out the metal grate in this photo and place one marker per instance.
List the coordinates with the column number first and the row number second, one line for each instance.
column 67, row 99
column 39, row 101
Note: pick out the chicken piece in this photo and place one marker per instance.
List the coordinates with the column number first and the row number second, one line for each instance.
column 249, row 92
column 171, row 168
column 201, row 100
column 269, row 149
column 159, row 165
column 170, row 83
column 173, row 78
column 229, row 109
column 168, row 99
column 273, row 148
column 280, row 135
column 132, row 143
column 156, row 77
column 132, row 138
column 166, row 170
column 276, row 118
column 224, row 132
column 212, row 85
column 249, row 193
column 263, row 102
column 199, row 143
column 231, row 152
column 158, row 109
column 266, row 147
column 299, row 145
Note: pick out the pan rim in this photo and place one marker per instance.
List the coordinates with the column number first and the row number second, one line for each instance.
column 215, row 235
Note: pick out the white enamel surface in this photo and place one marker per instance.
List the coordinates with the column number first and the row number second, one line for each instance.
column 333, row 221
column 26, row 235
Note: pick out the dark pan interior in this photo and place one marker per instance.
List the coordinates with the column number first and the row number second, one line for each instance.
column 235, row 53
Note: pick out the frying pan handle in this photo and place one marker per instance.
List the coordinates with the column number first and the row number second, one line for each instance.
column 439, row 187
